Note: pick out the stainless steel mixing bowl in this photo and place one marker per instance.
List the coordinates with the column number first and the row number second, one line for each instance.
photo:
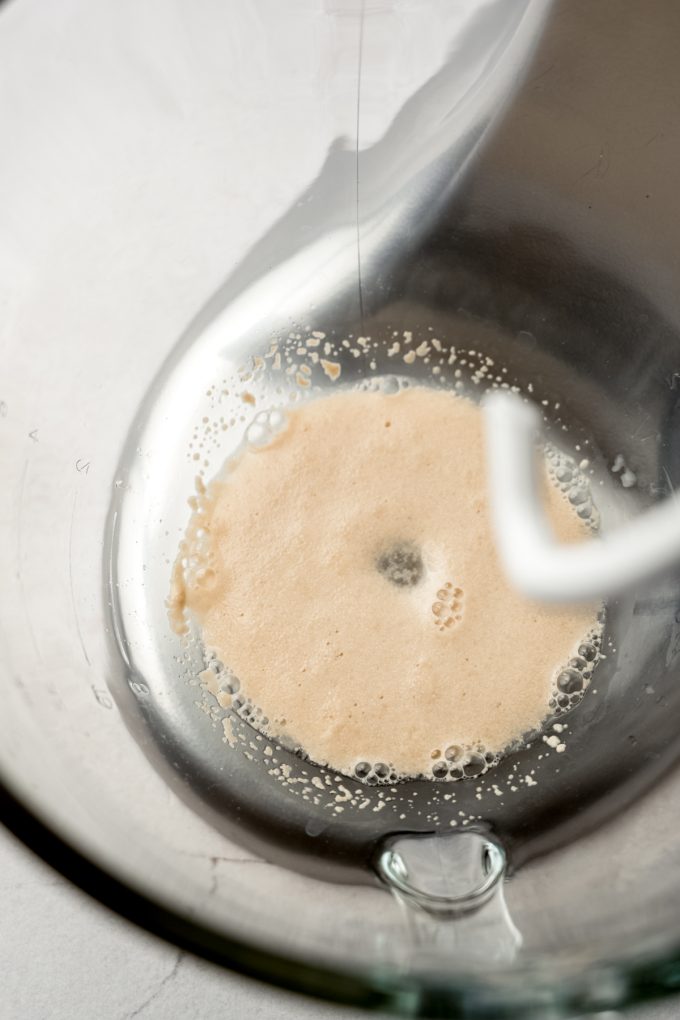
column 502, row 172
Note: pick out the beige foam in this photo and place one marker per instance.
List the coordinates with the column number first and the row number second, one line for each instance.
column 284, row 584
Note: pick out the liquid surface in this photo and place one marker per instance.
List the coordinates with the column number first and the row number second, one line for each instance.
column 343, row 568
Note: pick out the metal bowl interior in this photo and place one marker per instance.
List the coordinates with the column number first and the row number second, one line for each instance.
column 549, row 239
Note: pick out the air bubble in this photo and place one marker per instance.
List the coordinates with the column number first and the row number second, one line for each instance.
column 578, row 496
column 453, row 753
column 381, row 770
column 578, row 663
column 587, row 651
column 362, row 769
column 440, row 770
column 277, row 419
column 257, row 434
column 229, row 685
column 475, row 766
column 264, row 427
column 390, row 385
column 205, row 577
column 570, row 681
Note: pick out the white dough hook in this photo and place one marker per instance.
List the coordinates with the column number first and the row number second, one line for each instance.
column 535, row 562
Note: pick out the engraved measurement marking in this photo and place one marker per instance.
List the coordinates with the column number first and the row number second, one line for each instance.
column 138, row 688
column 102, row 696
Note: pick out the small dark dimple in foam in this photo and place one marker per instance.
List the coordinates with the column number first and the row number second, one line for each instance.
column 401, row 565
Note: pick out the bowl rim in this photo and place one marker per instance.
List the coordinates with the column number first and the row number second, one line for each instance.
column 379, row 989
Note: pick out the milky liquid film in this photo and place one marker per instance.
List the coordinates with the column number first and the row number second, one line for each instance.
column 402, row 566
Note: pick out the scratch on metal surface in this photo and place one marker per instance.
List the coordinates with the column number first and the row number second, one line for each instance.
column 599, row 167
column 539, row 77
column 70, row 579
column 359, row 70
column 650, row 607
column 20, row 556
column 671, row 487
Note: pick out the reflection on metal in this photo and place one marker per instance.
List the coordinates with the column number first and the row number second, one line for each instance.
column 450, row 887
column 605, row 565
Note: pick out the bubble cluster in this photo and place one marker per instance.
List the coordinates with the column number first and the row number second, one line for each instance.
column 264, row 427
column 571, row 480
column 462, row 762
column 251, row 714
column 374, row 774
column 457, row 762
column 572, row 680
column 447, row 609
column 227, row 690
column 387, row 384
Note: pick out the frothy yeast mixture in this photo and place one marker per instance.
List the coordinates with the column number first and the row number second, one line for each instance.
column 346, row 572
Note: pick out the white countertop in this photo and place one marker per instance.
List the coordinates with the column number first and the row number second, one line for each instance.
column 65, row 957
